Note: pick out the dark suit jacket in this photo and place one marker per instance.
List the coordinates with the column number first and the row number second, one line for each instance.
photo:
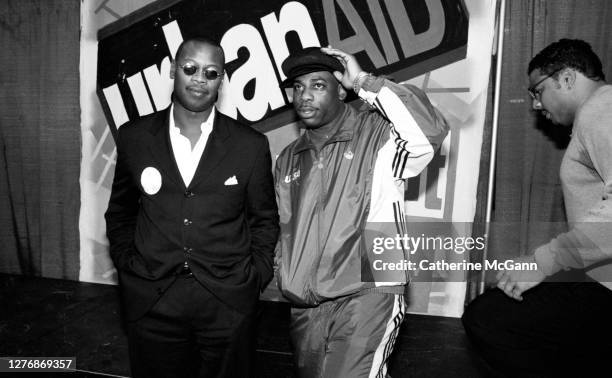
column 227, row 233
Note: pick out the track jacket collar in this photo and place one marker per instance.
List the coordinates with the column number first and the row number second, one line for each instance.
column 344, row 133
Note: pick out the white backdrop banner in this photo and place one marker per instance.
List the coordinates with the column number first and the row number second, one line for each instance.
column 441, row 46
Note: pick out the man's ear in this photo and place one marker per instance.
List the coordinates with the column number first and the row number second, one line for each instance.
column 341, row 92
column 222, row 80
column 567, row 78
column 172, row 68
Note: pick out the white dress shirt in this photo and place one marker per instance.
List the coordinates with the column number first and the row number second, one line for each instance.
column 187, row 159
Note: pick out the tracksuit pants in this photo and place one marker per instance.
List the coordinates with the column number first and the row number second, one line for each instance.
column 349, row 337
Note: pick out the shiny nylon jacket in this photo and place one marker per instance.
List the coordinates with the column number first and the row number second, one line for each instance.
column 326, row 199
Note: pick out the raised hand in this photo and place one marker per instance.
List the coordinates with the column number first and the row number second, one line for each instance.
column 351, row 66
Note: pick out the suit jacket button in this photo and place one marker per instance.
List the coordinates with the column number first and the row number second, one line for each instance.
column 187, row 222
column 189, row 194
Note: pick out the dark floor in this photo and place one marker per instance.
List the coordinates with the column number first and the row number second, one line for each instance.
column 46, row 317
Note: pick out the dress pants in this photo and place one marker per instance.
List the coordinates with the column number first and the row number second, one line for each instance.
column 191, row 333
column 558, row 330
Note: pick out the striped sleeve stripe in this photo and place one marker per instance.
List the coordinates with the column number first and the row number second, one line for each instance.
column 409, row 137
column 398, row 170
column 401, row 154
column 409, row 141
column 400, row 225
column 378, row 104
column 394, row 135
column 384, row 349
column 397, row 216
column 398, row 228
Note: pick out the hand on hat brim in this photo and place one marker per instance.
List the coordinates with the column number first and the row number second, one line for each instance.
column 350, row 64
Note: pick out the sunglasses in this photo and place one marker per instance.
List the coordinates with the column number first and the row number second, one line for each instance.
column 210, row 74
column 535, row 93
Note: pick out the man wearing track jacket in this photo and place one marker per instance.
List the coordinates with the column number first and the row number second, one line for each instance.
column 346, row 170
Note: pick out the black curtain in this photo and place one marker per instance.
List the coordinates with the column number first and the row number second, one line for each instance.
column 40, row 141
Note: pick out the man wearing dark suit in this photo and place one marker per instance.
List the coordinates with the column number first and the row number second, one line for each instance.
column 192, row 223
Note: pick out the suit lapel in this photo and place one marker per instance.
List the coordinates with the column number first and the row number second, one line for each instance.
column 214, row 151
column 161, row 148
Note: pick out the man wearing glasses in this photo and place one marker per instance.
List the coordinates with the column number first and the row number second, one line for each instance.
column 192, row 223
column 561, row 329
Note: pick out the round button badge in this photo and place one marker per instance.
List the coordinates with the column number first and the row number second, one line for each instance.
column 151, row 180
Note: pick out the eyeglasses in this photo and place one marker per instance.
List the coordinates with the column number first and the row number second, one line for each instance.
column 535, row 93
column 210, row 74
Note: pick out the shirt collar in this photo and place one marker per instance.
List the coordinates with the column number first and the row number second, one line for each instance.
column 204, row 126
